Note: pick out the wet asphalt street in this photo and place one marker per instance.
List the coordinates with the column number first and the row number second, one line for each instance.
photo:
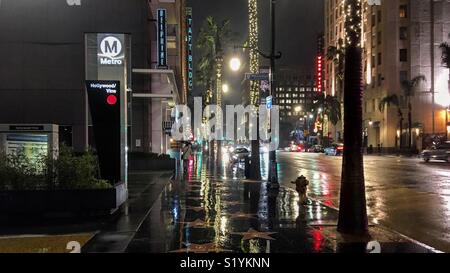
column 403, row 194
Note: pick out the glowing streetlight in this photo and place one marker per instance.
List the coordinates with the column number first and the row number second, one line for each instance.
column 235, row 64
column 225, row 88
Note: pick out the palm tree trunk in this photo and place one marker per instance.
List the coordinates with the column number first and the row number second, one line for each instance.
column 352, row 207
column 409, row 125
column 255, row 166
column 401, row 133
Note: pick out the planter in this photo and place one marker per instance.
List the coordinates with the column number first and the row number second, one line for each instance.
column 142, row 163
column 64, row 202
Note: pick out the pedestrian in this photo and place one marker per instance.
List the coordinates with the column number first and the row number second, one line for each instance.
column 187, row 153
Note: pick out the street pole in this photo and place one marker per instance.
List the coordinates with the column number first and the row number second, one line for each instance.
column 273, row 166
column 446, row 123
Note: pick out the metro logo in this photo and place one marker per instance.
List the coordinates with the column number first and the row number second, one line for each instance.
column 110, row 47
column 374, row 2
column 110, row 51
column 73, row 2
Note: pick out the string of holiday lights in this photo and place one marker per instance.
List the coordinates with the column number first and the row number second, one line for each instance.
column 253, row 44
column 353, row 22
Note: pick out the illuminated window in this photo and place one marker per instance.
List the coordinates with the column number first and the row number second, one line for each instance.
column 403, row 11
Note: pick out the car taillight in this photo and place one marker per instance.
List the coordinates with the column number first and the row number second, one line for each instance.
column 340, row 148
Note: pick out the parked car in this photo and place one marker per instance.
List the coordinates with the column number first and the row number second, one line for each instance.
column 437, row 152
column 335, row 149
column 315, row 149
column 296, row 148
column 239, row 154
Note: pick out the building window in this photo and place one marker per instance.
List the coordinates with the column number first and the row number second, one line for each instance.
column 403, row 76
column 380, row 79
column 379, row 39
column 379, row 16
column 403, row 33
column 403, row 55
column 379, row 58
column 403, row 11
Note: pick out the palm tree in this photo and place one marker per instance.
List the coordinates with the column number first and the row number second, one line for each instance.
column 445, row 47
column 331, row 107
column 393, row 100
column 212, row 38
column 409, row 90
column 337, row 55
column 352, row 206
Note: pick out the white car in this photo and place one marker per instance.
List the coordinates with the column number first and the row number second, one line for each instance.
column 239, row 154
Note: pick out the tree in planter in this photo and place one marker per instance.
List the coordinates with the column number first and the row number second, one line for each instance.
column 393, row 100
column 409, row 90
column 352, row 206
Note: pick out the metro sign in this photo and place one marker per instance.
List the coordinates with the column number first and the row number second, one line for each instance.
column 73, row 2
column 374, row 2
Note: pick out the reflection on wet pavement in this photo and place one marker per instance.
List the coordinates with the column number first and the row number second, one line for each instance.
column 403, row 194
column 216, row 210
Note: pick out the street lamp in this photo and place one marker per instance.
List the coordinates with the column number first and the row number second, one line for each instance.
column 235, row 64
column 225, row 88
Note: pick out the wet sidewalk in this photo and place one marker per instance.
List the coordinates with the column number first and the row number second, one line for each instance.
column 215, row 210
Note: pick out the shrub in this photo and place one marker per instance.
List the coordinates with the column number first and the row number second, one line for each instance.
column 68, row 171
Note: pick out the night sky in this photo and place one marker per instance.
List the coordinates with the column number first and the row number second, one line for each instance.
column 298, row 24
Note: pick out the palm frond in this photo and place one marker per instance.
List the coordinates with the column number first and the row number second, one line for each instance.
column 388, row 101
column 445, row 47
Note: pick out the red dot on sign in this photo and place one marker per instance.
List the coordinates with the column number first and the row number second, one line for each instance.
column 111, row 99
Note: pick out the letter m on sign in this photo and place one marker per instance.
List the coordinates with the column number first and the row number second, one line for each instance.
column 374, row 2
column 73, row 2
column 111, row 48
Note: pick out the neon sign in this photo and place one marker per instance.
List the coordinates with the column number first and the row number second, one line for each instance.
column 190, row 61
column 162, row 38
column 319, row 77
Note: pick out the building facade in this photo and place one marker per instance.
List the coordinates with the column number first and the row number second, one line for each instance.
column 43, row 70
column 294, row 94
column 401, row 40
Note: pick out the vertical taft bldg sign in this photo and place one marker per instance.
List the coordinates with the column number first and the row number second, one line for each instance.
column 190, row 60
column 162, row 38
